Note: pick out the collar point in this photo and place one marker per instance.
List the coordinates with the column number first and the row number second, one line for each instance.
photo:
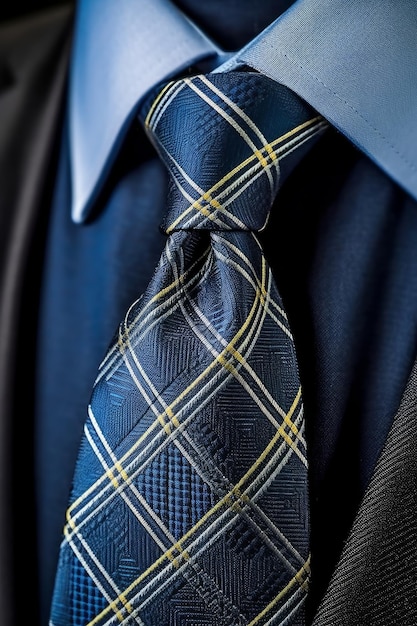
column 79, row 213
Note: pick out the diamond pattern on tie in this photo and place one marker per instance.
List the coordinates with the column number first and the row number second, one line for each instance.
column 190, row 499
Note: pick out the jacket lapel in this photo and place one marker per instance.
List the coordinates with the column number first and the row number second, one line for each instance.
column 375, row 581
column 33, row 68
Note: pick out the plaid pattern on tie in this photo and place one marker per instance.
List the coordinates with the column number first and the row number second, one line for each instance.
column 190, row 499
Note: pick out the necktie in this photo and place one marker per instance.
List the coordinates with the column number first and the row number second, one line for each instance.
column 189, row 504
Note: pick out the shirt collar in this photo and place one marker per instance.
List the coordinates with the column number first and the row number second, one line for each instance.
column 110, row 73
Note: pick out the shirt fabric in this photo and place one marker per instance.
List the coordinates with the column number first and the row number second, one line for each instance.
column 340, row 242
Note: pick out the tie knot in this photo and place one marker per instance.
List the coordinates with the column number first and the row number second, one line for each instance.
column 223, row 137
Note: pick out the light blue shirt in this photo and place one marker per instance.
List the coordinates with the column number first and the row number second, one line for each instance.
column 333, row 54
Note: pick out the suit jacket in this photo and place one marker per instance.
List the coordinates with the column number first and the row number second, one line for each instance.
column 375, row 581
column 34, row 56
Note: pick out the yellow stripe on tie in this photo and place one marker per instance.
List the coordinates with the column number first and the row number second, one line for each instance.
column 121, row 471
column 232, row 105
column 283, row 592
column 113, row 606
column 208, row 198
column 201, row 209
column 261, row 294
column 109, row 474
column 156, row 101
column 207, row 194
column 268, row 147
column 262, row 160
column 280, row 433
column 288, row 416
column 99, row 481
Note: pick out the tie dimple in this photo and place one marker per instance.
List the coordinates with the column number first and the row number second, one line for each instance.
column 190, row 496
column 223, row 138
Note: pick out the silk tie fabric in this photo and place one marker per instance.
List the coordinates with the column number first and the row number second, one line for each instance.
column 189, row 504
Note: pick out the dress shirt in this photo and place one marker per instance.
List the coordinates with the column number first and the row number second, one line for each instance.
column 341, row 245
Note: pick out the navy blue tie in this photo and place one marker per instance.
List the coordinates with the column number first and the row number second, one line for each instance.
column 190, row 498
